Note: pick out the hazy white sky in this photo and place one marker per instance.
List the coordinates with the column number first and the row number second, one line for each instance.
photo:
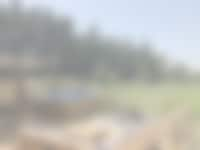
column 172, row 25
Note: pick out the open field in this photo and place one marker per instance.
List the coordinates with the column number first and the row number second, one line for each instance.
column 151, row 98
column 156, row 98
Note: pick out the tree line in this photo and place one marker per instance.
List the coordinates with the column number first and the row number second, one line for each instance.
column 54, row 42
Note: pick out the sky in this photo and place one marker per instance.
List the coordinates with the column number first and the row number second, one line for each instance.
column 172, row 26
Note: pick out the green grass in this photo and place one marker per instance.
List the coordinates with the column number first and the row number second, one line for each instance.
column 158, row 99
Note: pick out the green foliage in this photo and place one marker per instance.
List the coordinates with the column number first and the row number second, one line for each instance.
column 53, row 42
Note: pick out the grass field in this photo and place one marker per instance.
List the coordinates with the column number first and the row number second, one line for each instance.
column 151, row 98
column 156, row 98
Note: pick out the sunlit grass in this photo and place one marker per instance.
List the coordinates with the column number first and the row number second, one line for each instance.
column 155, row 98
